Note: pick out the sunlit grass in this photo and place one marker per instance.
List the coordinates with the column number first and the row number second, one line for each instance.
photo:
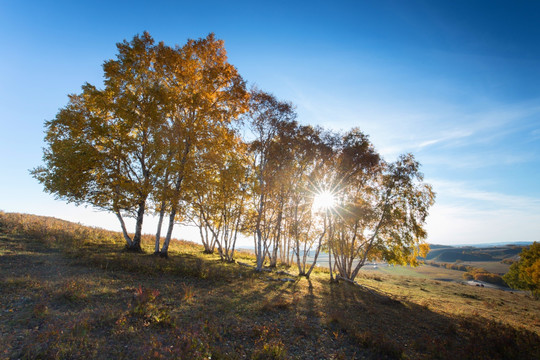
column 93, row 302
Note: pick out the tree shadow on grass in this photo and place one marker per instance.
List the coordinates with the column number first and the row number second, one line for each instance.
column 390, row 328
column 239, row 313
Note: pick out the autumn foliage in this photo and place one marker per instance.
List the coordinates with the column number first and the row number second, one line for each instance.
column 525, row 274
column 175, row 133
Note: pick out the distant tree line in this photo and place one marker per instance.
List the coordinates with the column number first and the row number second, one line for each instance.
column 175, row 133
column 451, row 266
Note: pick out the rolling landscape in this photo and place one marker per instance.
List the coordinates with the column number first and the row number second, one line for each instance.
column 305, row 180
column 444, row 263
column 452, row 262
column 71, row 291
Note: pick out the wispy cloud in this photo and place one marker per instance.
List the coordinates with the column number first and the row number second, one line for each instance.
column 466, row 214
column 477, row 160
column 483, row 199
column 443, row 139
column 471, row 154
column 455, row 128
column 450, row 224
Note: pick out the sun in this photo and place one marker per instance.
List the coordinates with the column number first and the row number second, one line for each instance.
column 324, row 200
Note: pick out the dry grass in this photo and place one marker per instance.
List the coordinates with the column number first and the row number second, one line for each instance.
column 83, row 301
column 496, row 267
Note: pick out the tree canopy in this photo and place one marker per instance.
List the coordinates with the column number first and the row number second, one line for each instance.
column 525, row 273
column 140, row 136
column 175, row 133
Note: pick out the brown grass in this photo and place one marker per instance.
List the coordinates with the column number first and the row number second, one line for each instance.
column 91, row 299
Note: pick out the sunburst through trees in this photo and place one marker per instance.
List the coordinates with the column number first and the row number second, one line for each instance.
column 323, row 201
column 163, row 137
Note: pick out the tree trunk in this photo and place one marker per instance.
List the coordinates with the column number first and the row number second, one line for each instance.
column 136, row 244
column 230, row 255
column 259, row 250
column 174, row 209
column 258, row 236
column 277, row 239
column 330, row 263
column 124, row 231
column 164, row 252
column 160, row 224
column 301, row 269
column 317, row 252
column 298, row 263
column 287, row 250
column 207, row 243
column 176, row 199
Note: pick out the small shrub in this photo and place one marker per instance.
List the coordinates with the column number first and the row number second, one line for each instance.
column 71, row 291
column 273, row 350
column 147, row 306
column 480, row 274
column 200, row 269
column 60, row 341
column 188, row 293
column 337, row 316
column 469, row 296
column 508, row 261
column 268, row 343
column 187, row 344
column 490, row 278
column 41, row 310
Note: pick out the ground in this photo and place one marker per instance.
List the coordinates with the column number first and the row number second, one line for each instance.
column 97, row 301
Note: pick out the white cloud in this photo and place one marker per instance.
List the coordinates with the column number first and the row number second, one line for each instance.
column 477, row 160
column 483, row 198
column 409, row 127
column 468, row 215
column 465, row 225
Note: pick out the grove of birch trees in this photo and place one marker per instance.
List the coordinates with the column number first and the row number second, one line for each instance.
column 175, row 133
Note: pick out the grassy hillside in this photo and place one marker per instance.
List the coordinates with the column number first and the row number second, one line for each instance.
column 72, row 292
column 472, row 254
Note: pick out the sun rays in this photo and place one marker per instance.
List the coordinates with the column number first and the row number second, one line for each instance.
column 323, row 201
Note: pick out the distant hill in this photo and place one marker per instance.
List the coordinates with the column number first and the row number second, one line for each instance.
column 494, row 244
column 445, row 253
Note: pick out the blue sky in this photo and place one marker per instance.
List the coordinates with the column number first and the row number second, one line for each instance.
column 454, row 82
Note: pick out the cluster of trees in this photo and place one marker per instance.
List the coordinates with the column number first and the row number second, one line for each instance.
column 164, row 137
column 525, row 273
column 452, row 266
column 481, row 274
column 471, row 272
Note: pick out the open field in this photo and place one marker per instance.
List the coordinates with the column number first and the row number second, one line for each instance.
column 72, row 292
column 423, row 272
column 443, row 253
column 495, row 267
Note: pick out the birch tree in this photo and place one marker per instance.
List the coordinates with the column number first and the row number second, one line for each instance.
column 220, row 204
column 308, row 205
column 103, row 147
column 381, row 209
column 205, row 94
column 267, row 117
